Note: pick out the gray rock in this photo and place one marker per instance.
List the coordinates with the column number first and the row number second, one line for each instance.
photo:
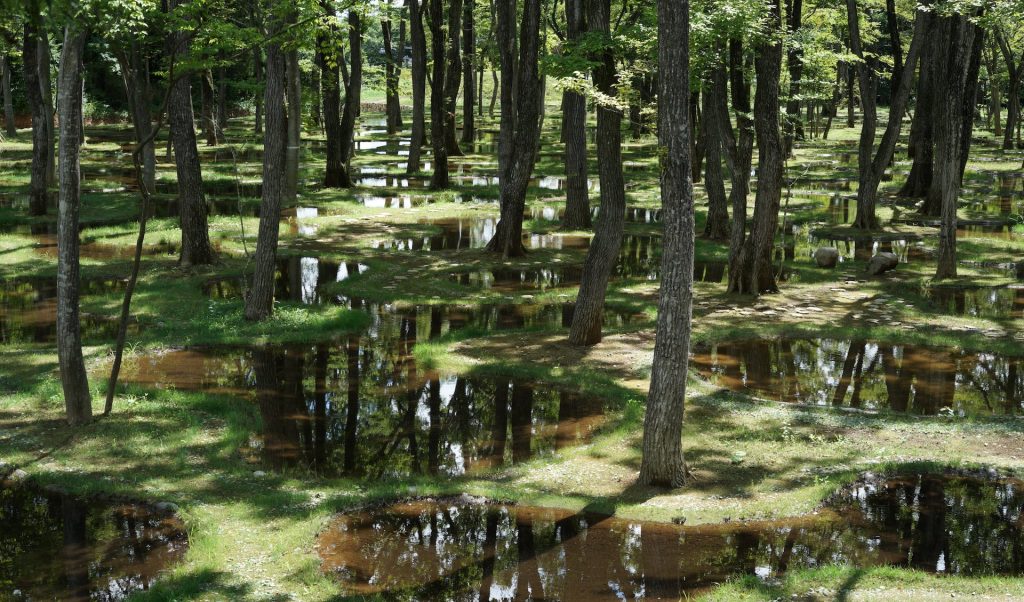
column 166, row 507
column 258, row 474
column 826, row 257
column 883, row 262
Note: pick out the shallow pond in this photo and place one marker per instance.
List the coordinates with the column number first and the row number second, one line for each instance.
column 867, row 374
column 465, row 549
column 56, row 546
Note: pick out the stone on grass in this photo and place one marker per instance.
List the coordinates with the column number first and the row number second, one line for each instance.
column 883, row 262
column 826, row 257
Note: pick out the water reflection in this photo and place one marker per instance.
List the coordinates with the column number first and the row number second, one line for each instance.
column 28, row 310
column 461, row 549
column 867, row 374
column 981, row 302
column 61, row 547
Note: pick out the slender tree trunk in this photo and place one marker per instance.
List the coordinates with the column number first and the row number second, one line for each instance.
column 353, row 93
column 46, row 91
column 438, row 99
column 5, row 83
column 872, row 164
column 520, row 101
column 222, row 102
column 206, row 104
column 259, row 304
column 469, row 60
column 574, row 127
column 1016, row 74
column 334, row 174
column 37, row 189
column 392, row 74
column 74, row 380
column 752, row 271
column 868, row 80
column 195, row 237
column 419, row 84
column 921, row 146
column 739, row 147
column 604, row 249
column 794, row 130
column 851, row 98
column 258, row 100
column 135, row 74
column 453, row 76
column 717, row 225
column 293, row 96
column 893, row 27
column 662, row 462
column 953, row 78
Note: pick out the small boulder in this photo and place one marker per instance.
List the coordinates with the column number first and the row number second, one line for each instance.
column 883, row 262
column 826, row 257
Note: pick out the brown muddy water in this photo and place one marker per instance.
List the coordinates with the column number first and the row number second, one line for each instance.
column 468, row 549
column 868, row 375
column 55, row 546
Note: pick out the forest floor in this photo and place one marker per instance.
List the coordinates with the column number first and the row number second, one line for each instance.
column 767, row 435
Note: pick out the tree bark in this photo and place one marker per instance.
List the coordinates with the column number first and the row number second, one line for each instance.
column 259, row 304
column 419, row 84
column 353, row 94
column 135, row 74
column 921, row 146
column 41, row 150
column 257, row 56
column 752, row 272
column 392, row 74
column 469, row 60
column 293, row 96
column 739, row 146
column 5, row 83
column 662, row 462
column 74, row 380
column 517, row 142
column 1016, row 74
column 953, row 78
column 453, row 76
column 221, row 121
column 794, row 129
column 195, row 237
column 334, row 174
column 716, row 227
column 438, row 98
column 206, row 104
column 604, row 248
column 574, row 127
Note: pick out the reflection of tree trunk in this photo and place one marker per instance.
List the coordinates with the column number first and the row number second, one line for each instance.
column 929, row 540
column 74, row 554
column 434, row 437
column 352, row 376
column 529, row 586
column 499, row 430
column 897, row 381
column 660, row 552
column 853, row 354
column 319, row 442
column 522, row 422
column 936, row 386
column 490, row 552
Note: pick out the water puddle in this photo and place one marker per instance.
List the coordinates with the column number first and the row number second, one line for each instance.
column 62, row 547
column 981, row 302
column 28, row 310
column 868, row 375
column 462, row 548
column 296, row 279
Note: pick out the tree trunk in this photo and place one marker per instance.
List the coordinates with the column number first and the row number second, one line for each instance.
column 37, row 189
column 293, row 96
column 892, row 25
column 851, row 99
column 334, row 175
column 517, row 142
column 604, row 248
column 257, row 56
column 392, row 75
column 453, row 76
column 921, row 146
column 662, row 462
column 469, row 60
column 419, row 84
column 74, row 380
column 794, row 130
column 574, row 127
column 259, row 304
column 206, row 104
column 1016, row 74
column 717, row 225
column 752, row 271
column 438, row 98
column 872, row 164
column 5, row 83
column 195, row 237
column 135, row 74
column 353, row 93
column 953, row 78
column 222, row 102
column 46, row 91
column 739, row 147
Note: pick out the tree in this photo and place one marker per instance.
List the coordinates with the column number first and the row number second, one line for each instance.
column 393, row 69
column 750, row 257
column 453, row 74
column 41, row 120
column 469, row 61
column 604, row 248
column 872, row 165
column 793, row 127
column 662, row 463
column 328, row 57
column 74, row 380
column 520, row 126
column 293, row 96
column 259, row 304
column 438, row 103
column 1016, row 71
column 195, row 237
column 5, row 82
column 353, row 92
column 419, row 84
column 574, row 127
